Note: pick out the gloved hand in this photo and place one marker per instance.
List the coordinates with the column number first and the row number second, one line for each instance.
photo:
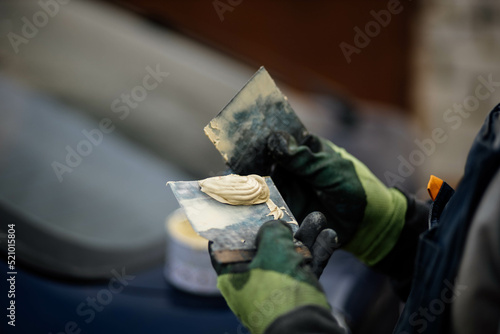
column 277, row 280
column 319, row 176
column 320, row 240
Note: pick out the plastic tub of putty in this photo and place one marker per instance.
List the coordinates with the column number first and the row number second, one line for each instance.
column 188, row 265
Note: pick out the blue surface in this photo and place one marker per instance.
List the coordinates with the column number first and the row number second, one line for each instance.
column 147, row 304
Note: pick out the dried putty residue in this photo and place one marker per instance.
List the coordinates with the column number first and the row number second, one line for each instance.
column 240, row 190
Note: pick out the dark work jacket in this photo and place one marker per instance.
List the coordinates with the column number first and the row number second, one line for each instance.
column 440, row 249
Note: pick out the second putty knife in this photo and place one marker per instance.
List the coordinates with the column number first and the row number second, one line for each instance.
column 240, row 130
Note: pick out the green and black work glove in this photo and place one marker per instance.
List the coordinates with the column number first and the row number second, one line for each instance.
column 316, row 175
column 278, row 280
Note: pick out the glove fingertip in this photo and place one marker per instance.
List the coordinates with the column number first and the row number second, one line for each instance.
column 310, row 227
column 326, row 243
column 313, row 142
column 317, row 218
column 329, row 237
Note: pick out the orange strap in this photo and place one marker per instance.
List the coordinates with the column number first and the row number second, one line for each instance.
column 433, row 186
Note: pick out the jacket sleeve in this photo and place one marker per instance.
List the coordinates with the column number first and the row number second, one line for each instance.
column 400, row 261
column 304, row 320
column 477, row 290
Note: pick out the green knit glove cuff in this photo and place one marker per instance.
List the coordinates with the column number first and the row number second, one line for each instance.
column 259, row 296
column 375, row 238
column 383, row 219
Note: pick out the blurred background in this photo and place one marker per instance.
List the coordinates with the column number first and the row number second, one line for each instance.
column 103, row 102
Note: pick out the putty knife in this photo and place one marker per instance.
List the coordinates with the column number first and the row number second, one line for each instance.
column 240, row 130
column 232, row 228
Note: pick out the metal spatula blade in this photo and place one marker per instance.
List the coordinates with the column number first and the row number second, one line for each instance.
column 240, row 130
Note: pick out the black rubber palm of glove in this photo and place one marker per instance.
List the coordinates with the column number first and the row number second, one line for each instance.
column 320, row 240
column 312, row 177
